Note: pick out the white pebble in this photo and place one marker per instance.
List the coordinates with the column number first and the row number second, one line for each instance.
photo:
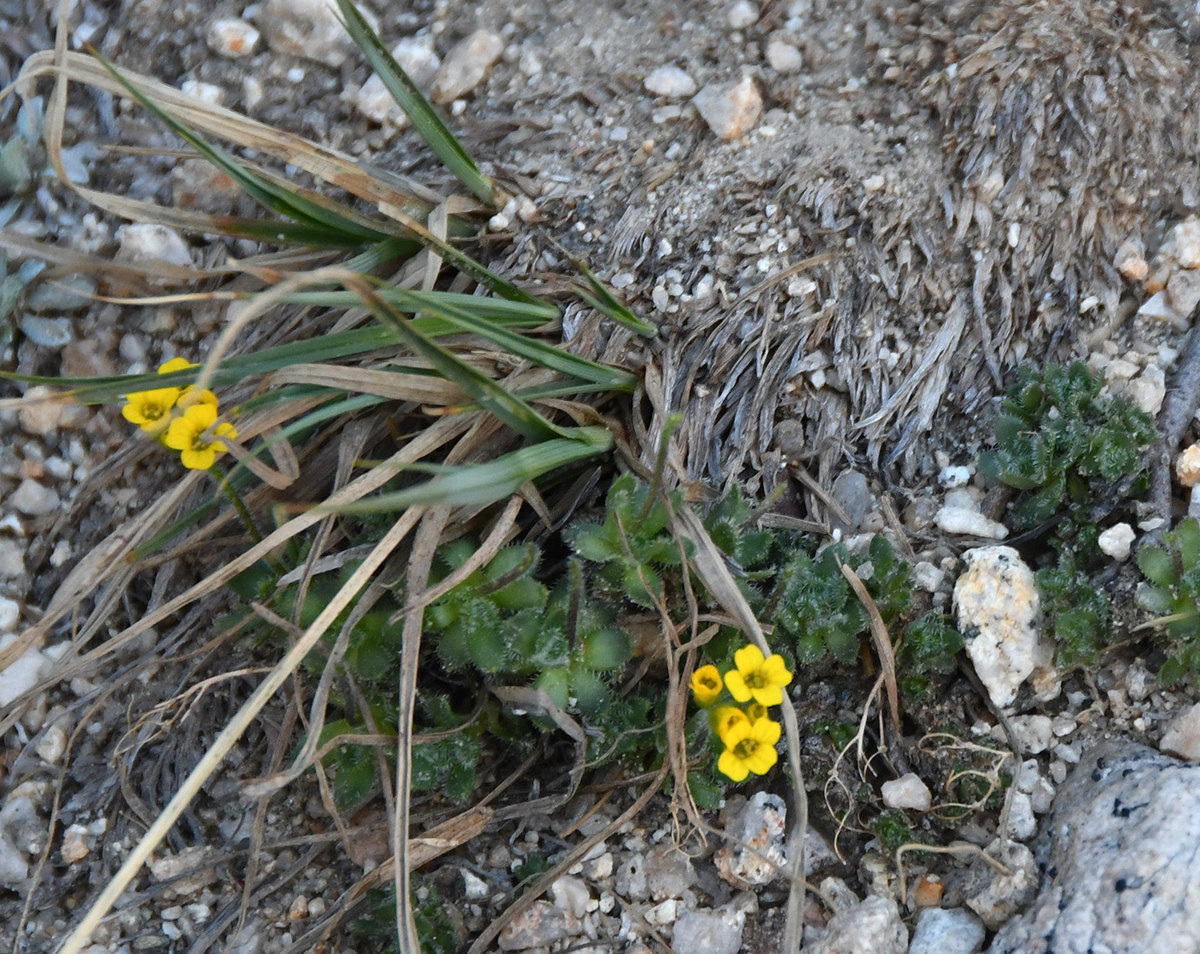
column 670, row 82
column 730, row 109
column 10, row 614
column 144, row 242
column 474, row 887
column 783, row 57
column 971, row 523
column 1182, row 737
column 1116, row 541
column 232, row 37
column 1185, row 242
column 907, row 791
column 997, row 605
column 660, row 297
column 308, row 28
column 954, row 476
column 33, row 499
column 742, row 14
column 466, row 66
column 22, row 674
column 207, row 93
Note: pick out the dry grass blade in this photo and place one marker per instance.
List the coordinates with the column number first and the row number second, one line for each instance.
column 233, row 731
column 713, row 572
column 883, row 642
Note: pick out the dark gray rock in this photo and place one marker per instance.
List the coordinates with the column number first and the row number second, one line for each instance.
column 1120, row 860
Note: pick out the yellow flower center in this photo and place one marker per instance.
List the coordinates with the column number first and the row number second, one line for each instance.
column 745, row 749
column 755, row 680
column 708, row 682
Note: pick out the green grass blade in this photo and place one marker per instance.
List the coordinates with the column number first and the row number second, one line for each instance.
column 539, row 352
column 606, row 303
column 426, row 120
column 269, row 194
column 491, row 396
column 483, row 483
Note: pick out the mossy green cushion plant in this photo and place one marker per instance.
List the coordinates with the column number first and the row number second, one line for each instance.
column 1172, row 593
column 1059, row 442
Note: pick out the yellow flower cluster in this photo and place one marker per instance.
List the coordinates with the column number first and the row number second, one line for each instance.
column 746, row 731
column 183, row 419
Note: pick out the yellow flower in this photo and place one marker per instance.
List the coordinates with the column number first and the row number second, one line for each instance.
column 757, row 678
column 706, row 685
column 193, row 434
column 151, row 410
column 725, row 719
column 755, row 711
column 749, row 747
column 175, row 364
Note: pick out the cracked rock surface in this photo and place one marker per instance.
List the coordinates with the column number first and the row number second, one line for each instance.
column 1121, row 860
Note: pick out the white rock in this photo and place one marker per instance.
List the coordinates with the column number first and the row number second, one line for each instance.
column 232, row 37
column 417, row 58
column 907, row 791
column 374, row 101
column 570, row 894
column 1149, row 389
column 925, row 576
column 1187, row 464
column 41, row 414
column 208, row 93
column 1130, row 260
column 1035, row 733
column 1182, row 737
column 1022, row 825
column 10, row 615
column 730, row 109
column 33, row 499
column 663, row 913
column 22, row 674
column 53, row 744
column 947, row 931
column 997, row 605
column 670, row 82
column 1185, row 242
column 75, row 845
column 47, row 332
column 756, row 851
column 783, row 57
column 971, row 523
column 143, row 242
column 466, row 65
column 742, row 14
column 708, row 932
column 1116, row 541
column 1003, row 895
column 1183, row 290
column 12, row 560
column 18, row 817
column 873, row 926
column 309, row 28
column 952, row 477
column 1157, row 306
column 474, row 887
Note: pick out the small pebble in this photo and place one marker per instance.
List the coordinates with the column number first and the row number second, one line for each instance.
column 1182, row 737
column 730, row 109
column 783, row 57
column 22, row 674
column 1130, row 260
column 1185, row 242
column 947, row 931
column 75, row 846
column 969, row 523
column 1117, row 540
column 907, row 791
column 670, row 82
column 47, row 332
column 709, row 932
column 232, row 37
column 33, row 499
column 466, row 65
column 142, row 242
column 539, row 925
column 308, row 28
column 872, row 925
column 742, row 14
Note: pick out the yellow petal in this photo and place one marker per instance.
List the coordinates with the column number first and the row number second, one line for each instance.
column 748, row 659
column 175, row 364
column 737, row 686
column 762, row 759
column 775, row 671
column 768, row 695
column 732, row 767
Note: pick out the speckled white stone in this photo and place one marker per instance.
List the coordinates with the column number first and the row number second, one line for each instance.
column 998, row 607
